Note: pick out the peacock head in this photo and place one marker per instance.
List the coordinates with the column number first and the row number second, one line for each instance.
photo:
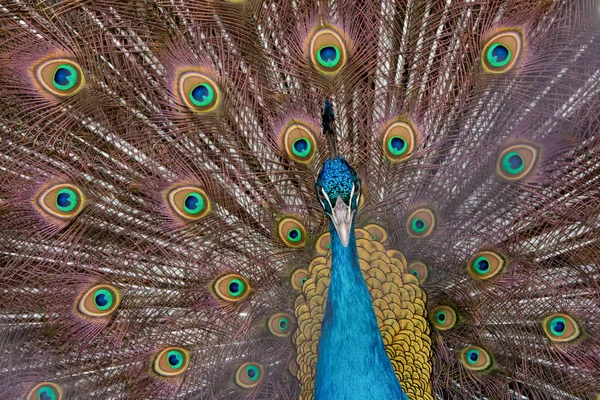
column 338, row 190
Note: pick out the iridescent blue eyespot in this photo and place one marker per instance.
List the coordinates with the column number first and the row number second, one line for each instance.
column 189, row 203
column 194, row 203
column 443, row 317
column 418, row 225
column 236, row 287
column 501, row 52
column 99, row 301
column 45, row 391
column 397, row 145
column 476, row 359
column 104, row 299
column 175, row 358
column 66, row 200
column 561, row 328
column 329, row 56
column 198, row 91
column 486, row 264
column 294, row 235
column 421, row 222
column 301, row 147
column 327, row 50
column 231, row 288
column 60, row 76
column 481, row 265
column 517, row 161
column 202, row 95
column 171, row 361
column 513, row 163
column 498, row 55
column 299, row 278
column 65, row 77
column 279, row 324
column 292, row 232
column 63, row 201
column 249, row 375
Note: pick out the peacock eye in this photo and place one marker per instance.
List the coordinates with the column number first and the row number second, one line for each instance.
column 280, row 324
column 198, row 91
column 561, row 328
column 515, row 162
column 476, row 359
column 419, row 270
column 202, row 95
column 292, row 232
column 60, row 77
column 398, row 141
column 421, row 223
column 45, row 391
column 323, row 243
column 232, row 288
column 327, row 51
column 357, row 187
column 249, row 375
column 377, row 232
column 299, row 278
column 299, row 142
column 329, row 56
column 502, row 51
column 498, row 55
column 443, row 317
column 485, row 265
column 63, row 201
column 190, row 203
column 171, row 361
column 99, row 301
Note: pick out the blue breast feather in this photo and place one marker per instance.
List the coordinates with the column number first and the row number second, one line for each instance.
column 352, row 363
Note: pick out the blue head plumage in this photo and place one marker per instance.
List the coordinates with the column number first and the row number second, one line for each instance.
column 337, row 178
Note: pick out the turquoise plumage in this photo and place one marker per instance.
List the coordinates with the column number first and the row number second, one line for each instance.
column 328, row 199
column 352, row 361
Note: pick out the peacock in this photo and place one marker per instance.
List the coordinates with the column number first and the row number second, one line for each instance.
column 300, row 199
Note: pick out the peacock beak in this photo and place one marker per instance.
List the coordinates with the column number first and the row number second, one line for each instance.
column 341, row 216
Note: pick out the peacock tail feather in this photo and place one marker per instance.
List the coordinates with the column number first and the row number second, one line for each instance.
column 160, row 234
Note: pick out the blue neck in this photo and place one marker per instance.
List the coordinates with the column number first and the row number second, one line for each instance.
column 352, row 363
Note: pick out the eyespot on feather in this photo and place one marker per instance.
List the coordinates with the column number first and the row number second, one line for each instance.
column 476, row 359
column 45, row 391
column 171, row 361
column 299, row 277
column 502, row 51
column 485, row 265
column 376, row 232
column 60, row 76
column 63, row 201
column 99, row 301
column 249, row 375
column 517, row 161
column 188, row 202
column 327, row 50
column 421, row 223
column 199, row 93
column 299, row 142
column 231, row 288
column 419, row 270
column 323, row 243
column 280, row 324
column 292, row 232
column 443, row 318
column 561, row 328
column 398, row 141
